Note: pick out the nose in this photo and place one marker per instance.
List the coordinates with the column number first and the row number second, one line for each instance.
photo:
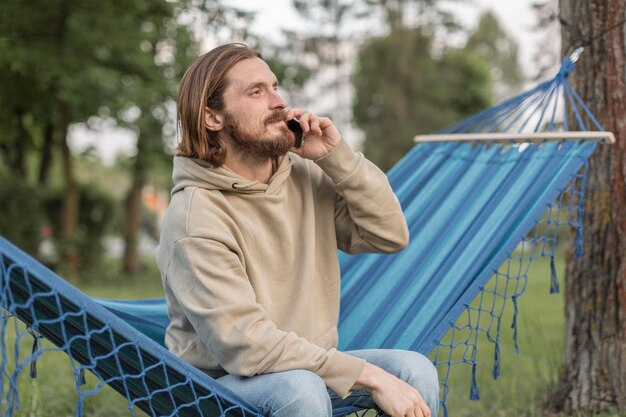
column 277, row 101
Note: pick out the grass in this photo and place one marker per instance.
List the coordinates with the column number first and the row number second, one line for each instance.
column 526, row 379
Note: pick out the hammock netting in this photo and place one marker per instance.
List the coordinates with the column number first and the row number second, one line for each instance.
column 478, row 213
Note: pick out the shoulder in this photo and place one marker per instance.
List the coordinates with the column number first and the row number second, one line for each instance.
column 196, row 212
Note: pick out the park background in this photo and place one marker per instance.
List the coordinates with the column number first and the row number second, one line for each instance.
column 82, row 81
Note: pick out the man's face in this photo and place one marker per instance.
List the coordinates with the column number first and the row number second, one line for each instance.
column 254, row 118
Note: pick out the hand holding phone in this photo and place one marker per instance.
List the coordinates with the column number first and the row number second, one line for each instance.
column 320, row 133
column 294, row 126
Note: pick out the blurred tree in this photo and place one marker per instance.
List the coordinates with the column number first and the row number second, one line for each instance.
column 20, row 205
column 217, row 23
column 68, row 61
column 338, row 27
column 402, row 90
column 399, row 15
column 148, row 109
column 151, row 101
column 593, row 378
column 95, row 216
column 491, row 42
column 291, row 73
column 330, row 51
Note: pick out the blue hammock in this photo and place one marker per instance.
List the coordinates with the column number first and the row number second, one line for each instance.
column 470, row 208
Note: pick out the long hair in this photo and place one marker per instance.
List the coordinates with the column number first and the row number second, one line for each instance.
column 203, row 86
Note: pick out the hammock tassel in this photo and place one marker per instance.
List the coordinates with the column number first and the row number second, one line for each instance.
column 33, row 362
column 474, row 392
column 79, row 374
column 514, row 324
column 554, row 280
column 580, row 243
column 496, row 361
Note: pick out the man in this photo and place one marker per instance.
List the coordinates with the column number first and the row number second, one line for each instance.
column 248, row 250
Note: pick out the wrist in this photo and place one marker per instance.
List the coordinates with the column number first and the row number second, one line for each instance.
column 367, row 380
column 332, row 144
column 340, row 162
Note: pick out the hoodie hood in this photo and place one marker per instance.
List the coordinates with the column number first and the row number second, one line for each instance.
column 189, row 172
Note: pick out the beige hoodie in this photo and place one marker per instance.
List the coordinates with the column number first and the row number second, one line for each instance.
column 251, row 272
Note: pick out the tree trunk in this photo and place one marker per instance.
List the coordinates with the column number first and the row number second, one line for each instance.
column 16, row 149
column 593, row 378
column 46, row 154
column 132, row 261
column 69, row 213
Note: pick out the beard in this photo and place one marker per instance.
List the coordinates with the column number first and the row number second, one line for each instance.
column 256, row 145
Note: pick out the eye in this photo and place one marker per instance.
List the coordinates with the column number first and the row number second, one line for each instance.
column 255, row 92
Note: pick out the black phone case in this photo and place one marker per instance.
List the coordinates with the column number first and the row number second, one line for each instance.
column 294, row 126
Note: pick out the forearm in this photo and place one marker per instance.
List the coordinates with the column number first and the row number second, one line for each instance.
column 367, row 379
column 368, row 216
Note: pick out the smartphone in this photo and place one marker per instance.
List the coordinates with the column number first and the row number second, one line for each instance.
column 294, row 126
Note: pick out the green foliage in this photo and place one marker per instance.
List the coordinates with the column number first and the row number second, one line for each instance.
column 70, row 61
column 20, row 213
column 76, row 53
column 402, row 90
column 96, row 214
column 491, row 42
column 466, row 77
column 290, row 75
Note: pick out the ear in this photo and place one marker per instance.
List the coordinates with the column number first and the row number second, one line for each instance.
column 213, row 120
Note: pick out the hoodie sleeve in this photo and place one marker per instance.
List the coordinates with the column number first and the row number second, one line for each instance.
column 368, row 216
column 210, row 281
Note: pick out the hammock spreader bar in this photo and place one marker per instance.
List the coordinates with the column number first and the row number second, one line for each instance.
column 607, row 137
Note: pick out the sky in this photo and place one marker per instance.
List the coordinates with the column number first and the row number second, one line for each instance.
column 516, row 16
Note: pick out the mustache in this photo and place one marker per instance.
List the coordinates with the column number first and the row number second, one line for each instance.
column 276, row 116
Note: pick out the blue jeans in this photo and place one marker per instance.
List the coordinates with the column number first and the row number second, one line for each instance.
column 303, row 393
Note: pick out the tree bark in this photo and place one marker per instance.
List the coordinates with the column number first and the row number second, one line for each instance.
column 16, row 148
column 69, row 213
column 593, row 378
column 46, row 154
column 131, row 261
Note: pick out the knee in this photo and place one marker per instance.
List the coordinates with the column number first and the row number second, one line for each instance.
column 302, row 391
column 418, row 371
column 425, row 378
